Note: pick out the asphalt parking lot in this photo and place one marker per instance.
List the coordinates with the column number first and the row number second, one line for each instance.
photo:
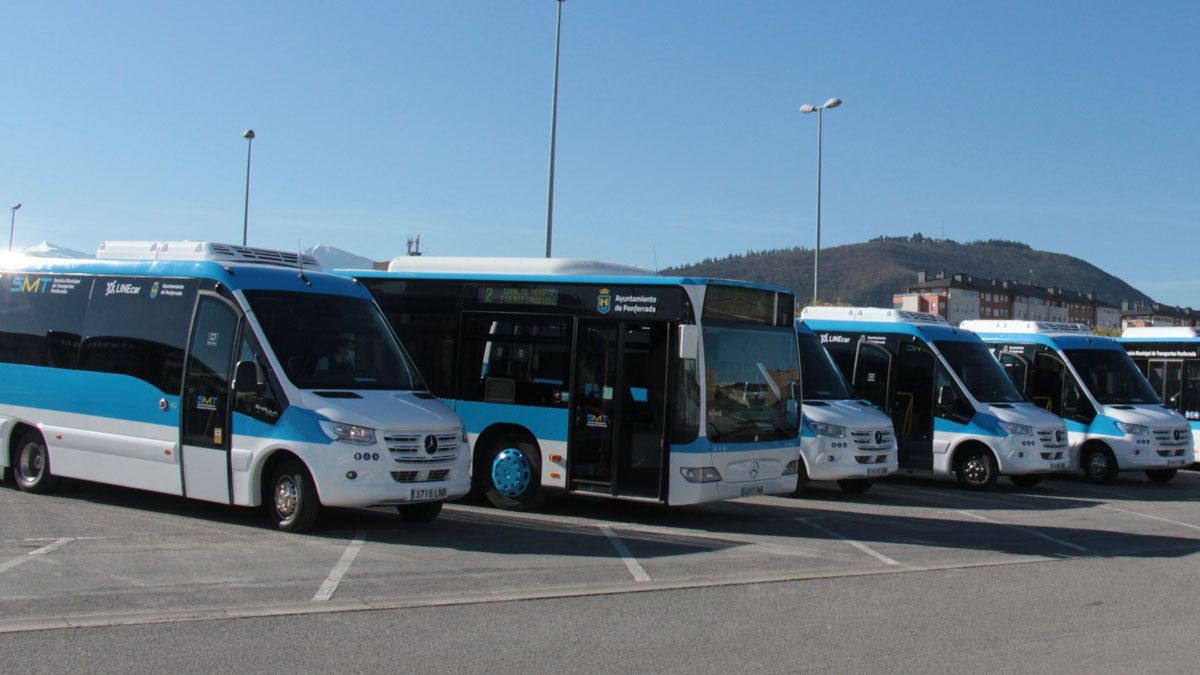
column 91, row 557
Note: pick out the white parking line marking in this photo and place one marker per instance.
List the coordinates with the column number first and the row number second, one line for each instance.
column 327, row 589
column 58, row 543
column 1026, row 530
column 635, row 569
column 1147, row 515
column 856, row 544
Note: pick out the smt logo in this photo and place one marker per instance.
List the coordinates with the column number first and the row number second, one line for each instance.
column 25, row 284
column 115, row 287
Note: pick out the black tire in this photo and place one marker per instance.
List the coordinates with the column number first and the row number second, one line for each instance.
column 291, row 498
column 1027, row 480
column 31, row 464
column 1099, row 465
column 1161, row 475
column 855, row 486
column 801, row 479
column 976, row 468
column 424, row 512
column 521, row 479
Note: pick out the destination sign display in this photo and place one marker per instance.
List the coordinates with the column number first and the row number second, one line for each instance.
column 517, row 295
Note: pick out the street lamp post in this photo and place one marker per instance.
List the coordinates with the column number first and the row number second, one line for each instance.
column 12, row 224
column 806, row 108
column 553, row 133
column 249, row 136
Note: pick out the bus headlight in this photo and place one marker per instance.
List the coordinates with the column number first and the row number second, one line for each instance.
column 348, row 433
column 830, row 430
column 700, row 474
column 1014, row 429
column 1132, row 429
column 792, row 468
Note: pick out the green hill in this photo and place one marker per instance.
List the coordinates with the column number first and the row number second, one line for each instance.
column 869, row 273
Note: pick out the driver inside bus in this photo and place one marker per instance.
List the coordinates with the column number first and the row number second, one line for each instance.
column 342, row 360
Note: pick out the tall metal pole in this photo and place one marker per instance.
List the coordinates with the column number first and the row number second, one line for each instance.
column 249, row 136
column 817, row 250
column 553, row 134
column 12, row 225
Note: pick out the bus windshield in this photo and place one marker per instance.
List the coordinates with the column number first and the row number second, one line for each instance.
column 332, row 341
column 821, row 379
column 750, row 380
column 1111, row 376
column 981, row 374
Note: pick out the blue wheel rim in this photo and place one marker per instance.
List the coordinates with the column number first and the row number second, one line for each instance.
column 512, row 473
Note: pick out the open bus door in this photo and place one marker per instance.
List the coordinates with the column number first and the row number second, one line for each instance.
column 617, row 444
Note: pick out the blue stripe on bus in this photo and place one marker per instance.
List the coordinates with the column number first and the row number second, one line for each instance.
column 564, row 279
column 546, row 424
column 702, row 445
column 980, row 425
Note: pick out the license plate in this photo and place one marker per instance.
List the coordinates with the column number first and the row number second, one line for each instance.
column 425, row 494
column 877, row 471
column 752, row 490
column 1176, row 462
column 1058, row 466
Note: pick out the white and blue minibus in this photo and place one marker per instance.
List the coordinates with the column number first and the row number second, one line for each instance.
column 1115, row 422
column 1169, row 357
column 845, row 439
column 954, row 410
column 223, row 373
column 604, row 380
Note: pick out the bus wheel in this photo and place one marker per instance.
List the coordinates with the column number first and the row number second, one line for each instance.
column 293, row 502
column 32, row 465
column 1099, row 465
column 514, row 474
column 977, row 468
column 424, row 512
column 1161, row 475
column 855, row 486
column 1027, row 480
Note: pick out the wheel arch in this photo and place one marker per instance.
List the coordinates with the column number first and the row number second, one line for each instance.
column 959, row 450
column 1096, row 444
column 266, row 464
column 15, row 431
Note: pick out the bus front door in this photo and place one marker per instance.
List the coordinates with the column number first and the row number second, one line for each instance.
column 206, row 390
column 913, row 408
column 618, row 408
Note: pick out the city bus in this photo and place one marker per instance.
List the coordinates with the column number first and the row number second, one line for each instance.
column 1114, row 420
column 955, row 412
column 845, row 439
column 1169, row 357
column 602, row 379
column 228, row 374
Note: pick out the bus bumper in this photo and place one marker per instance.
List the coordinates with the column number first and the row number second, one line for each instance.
column 827, row 462
column 385, row 482
column 743, row 473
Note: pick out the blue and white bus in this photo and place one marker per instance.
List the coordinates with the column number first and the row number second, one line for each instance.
column 845, row 439
column 222, row 373
column 601, row 379
column 954, row 410
column 1114, row 420
column 1169, row 357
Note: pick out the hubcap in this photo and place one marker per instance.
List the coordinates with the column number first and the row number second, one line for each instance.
column 286, row 497
column 975, row 470
column 512, row 473
column 32, row 463
column 1097, row 464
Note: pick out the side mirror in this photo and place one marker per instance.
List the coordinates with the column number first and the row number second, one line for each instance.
column 245, row 378
column 689, row 341
column 946, row 395
column 1071, row 397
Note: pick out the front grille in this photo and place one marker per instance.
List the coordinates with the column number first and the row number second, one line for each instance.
column 871, row 459
column 420, row 476
column 1052, row 455
column 1167, row 437
column 409, row 448
column 1171, row 453
column 881, row 439
column 1050, row 439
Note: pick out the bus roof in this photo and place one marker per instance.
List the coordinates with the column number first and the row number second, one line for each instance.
column 237, row 276
column 203, row 250
column 1030, row 327
column 803, row 328
column 1159, row 333
column 1053, row 340
column 521, row 266
column 883, row 320
column 625, row 280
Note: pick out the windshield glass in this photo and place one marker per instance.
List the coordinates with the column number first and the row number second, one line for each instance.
column 332, row 341
column 821, row 379
column 750, row 379
column 983, row 376
column 1111, row 376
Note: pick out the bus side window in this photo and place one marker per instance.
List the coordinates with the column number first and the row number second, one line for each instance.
column 871, row 370
column 959, row 409
column 1047, row 382
column 41, row 318
column 263, row 405
column 1075, row 405
column 1017, row 369
column 512, row 358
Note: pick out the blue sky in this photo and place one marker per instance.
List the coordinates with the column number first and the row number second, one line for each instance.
column 1070, row 125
